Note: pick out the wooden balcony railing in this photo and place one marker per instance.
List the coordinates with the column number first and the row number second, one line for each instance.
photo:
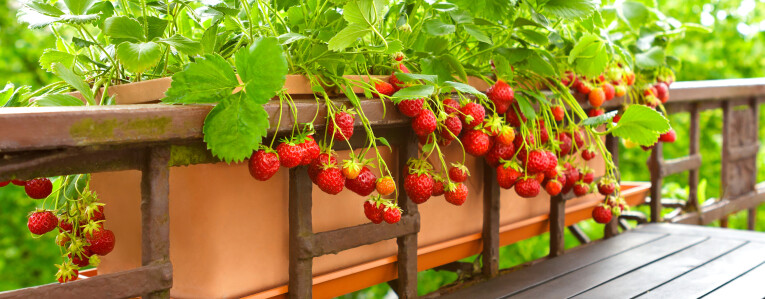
column 70, row 140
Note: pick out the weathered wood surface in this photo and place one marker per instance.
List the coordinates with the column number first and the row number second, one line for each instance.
column 652, row 261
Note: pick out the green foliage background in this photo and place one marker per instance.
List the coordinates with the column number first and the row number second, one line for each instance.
column 735, row 49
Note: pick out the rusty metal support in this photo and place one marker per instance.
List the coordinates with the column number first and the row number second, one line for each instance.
column 301, row 227
column 655, row 165
column 557, row 225
column 406, row 283
column 155, row 212
column 490, row 235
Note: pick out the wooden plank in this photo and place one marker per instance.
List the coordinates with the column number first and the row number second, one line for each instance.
column 715, row 232
column 611, row 229
column 721, row 209
column 655, row 166
column 406, row 282
column 490, row 231
column 126, row 284
column 552, row 268
column 743, row 152
column 715, row 89
column 332, row 242
column 708, row 277
column 557, row 225
column 301, row 226
column 678, row 165
column 63, row 162
column 155, row 212
column 748, row 285
column 637, row 282
column 601, row 271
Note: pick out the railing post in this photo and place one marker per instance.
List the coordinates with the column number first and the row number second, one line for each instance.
column 725, row 163
column 752, row 214
column 654, row 164
column 694, row 148
column 490, row 233
column 155, row 212
column 406, row 284
column 301, row 228
column 612, row 145
column 557, row 225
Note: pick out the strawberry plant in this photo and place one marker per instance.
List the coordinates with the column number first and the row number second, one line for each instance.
column 425, row 57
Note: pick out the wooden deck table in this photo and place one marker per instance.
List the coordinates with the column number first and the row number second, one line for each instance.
column 652, row 261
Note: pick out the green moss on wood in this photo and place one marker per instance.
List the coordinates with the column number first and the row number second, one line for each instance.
column 87, row 130
column 187, row 155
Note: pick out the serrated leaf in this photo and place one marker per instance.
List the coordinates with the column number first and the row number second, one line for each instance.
column 34, row 19
column 455, row 65
column 589, row 56
column 437, row 27
column 539, row 65
column 569, row 9
column 477, row 33
column 600, row 119
column 263, row 68
column 156, row 27
column 514, row 55
column 50, row 56
column 462, row 87
column 652, row 58
column 138, row 57
column 56, row 100
column 413, row 92
column 77, row 19
column 235, row 128
column 433, row 66
column 123, row 27
column 635, row 14
column 409, row 77
column 502, row 68
column 461, row 16
column 44, row 8
column 347, row 36
column 641, row 125
column 206, row 80
column 74, row 80
column 182, row 44
column 534, row 37
column 526, row 108
column 210, row 39
column 291, row 37
column 79, row 7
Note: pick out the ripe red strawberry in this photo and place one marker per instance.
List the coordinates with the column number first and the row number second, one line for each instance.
column 499, row 151
column 398, row 56
column 552, row 161
column 95, row 212
column 572, row 176
column 311, row 150
column 527, row 187
column 38, row 188
column 662, row 92
column 41, row 222
column 609, row 91
column 364, row 183
column 411, row 107
column 620, row 91
column 506, row 135
column 290, row 154
column 670, row 136
column 536, row 161
column 342, row 128
column 606, row 188
column 512, row 116
column 476, row 142
column 544, row 137
column 588, row 176
column 263, row 164
column 617, row 118
column 595, row 112
column 451, row 106
column 385, row 186
column 553, row 187
column 507, row 176
column 601, row 214
column 19, row 182
column 70, row 275
column 558, row 112
column 392, row 214
column 419, row 187
column 581, row 189
column 502, row 107
column 629, row 78
column 453, row 128
column 596, row 97
column 424, row 123
column 5, row 183
column 456, row 194
column 384, row 88
column 500, row 92
column 588, row 154
column 101, row 241
column 458, row 173
column 578, row 138
column 330, row 180
column 65, row 225
column 438, row 187
column 565, row 143
column 374, row 211
column 472, row 114
column 398, row 84
column 584, row 88
column 318, row 164
column 82, row 260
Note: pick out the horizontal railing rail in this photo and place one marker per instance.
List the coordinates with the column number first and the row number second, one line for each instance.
column 152, row 138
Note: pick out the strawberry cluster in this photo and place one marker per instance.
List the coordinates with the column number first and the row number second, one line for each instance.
column 82, row 236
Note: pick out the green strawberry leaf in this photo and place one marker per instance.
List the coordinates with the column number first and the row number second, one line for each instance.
column 206, row 80
column 182, row 44
column 526, row 108
column 409, row 77
column 413, row 92
column 364, row 12
column 50, row 56
column 263, row 68
column 436, row 27
column 589, row 56
column 462, row 87
column 641, row 124
column 74, row 80
column 347, row 36
column 138, row 57
column 291, row 37
column 44, row 8
column 569, row 9
column 56, row 100
column 650, row 59
column 124, row 28
column 235, row 128
column 477, row 33
column 600, row 119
